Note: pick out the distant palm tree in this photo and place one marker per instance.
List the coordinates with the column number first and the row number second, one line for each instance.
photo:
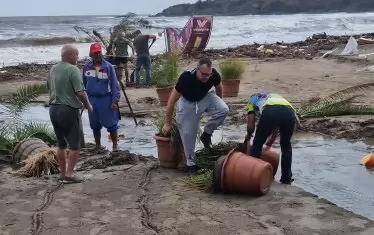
column 128, row 25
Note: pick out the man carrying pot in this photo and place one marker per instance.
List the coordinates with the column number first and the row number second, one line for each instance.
column 275, row 115
column 102, row 87
column 192, row 92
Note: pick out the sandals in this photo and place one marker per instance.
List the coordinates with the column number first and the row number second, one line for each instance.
column 70, row 180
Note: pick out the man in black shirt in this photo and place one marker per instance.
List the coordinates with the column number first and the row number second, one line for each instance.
column 194, row 97
column 143, row 57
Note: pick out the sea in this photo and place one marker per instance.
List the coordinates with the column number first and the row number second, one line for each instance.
column 39, row 39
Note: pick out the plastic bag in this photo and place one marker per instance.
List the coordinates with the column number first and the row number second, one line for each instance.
column 351, row 48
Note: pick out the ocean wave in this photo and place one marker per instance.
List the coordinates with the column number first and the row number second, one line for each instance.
column 26, row 42
column 105, row 17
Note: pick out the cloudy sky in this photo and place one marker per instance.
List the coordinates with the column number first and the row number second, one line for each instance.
column 83, row 7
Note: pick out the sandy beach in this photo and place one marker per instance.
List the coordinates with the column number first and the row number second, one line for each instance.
column 140, row 198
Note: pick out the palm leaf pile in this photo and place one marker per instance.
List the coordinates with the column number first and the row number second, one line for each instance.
column 13, row 129
column 206, row 160
column 42, row 163
column 202, row 181
column 337, row 104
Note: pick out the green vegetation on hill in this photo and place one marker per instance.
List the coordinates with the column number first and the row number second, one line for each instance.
column 259, row 7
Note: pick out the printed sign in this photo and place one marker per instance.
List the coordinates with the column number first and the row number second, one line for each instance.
column 194, row 36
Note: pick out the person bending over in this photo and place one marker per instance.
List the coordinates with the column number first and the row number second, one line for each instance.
column 192, row 92
column 275, row 115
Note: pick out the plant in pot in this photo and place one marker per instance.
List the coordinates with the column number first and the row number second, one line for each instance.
column 164, row 76
column 169, row 148
column 231, row 72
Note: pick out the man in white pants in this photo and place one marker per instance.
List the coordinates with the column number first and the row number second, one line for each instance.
column 194, row 97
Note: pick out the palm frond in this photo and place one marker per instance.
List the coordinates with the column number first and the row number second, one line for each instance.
column 81, row 29
column 346, row 91
column 26, row 94
column 101, row 38
column 6, row 145
column 35, row 129
column 314, row 108
column 202, row 181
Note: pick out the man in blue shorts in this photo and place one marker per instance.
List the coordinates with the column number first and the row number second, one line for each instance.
column 102, row 87
column 275, row 115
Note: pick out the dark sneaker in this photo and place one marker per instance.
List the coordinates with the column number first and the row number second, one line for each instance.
column 286, row 181
column 206, row 139
column 192, row 170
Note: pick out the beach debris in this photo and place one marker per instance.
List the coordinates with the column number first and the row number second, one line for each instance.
column 306, row 49
column 351, row 48
column 39, row 164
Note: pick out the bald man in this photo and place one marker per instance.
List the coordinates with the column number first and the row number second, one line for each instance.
column 66, row 98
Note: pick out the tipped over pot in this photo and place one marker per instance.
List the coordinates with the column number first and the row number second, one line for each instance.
column 240, row 173
column 268, row 155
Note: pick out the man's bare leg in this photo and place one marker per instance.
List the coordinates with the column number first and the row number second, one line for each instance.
column 73, row 158
column 97, row 136
column 114, row 137
column 61, row 156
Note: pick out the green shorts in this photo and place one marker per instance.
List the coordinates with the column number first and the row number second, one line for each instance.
column 67, row 124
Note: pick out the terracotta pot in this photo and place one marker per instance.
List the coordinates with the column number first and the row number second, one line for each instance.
column 166, row 154
column 244, row 174
column 271, row 155
column 268, row 155
column 163, row 95
column 230, row 88
column 217, row 174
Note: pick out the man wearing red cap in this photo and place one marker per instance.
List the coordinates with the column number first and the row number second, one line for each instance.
column 102, row 87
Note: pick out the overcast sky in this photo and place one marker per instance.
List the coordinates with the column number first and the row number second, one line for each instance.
column 83, row 7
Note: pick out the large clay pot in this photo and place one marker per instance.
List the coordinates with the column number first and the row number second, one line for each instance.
column 230, row 87
column 163, row 95
column 167, row 155
column 244, row 174
column 217, row 174
column 26, row 148
column 268, row 155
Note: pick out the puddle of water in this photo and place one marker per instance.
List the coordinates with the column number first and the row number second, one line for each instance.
column 326, row 167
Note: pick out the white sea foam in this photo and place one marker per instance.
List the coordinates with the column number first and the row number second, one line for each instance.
column 227, row 31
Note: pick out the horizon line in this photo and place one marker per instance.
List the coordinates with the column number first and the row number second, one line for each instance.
column 138, row 14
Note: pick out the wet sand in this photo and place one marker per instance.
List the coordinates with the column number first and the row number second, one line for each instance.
column 133, row 202
column 140, row 198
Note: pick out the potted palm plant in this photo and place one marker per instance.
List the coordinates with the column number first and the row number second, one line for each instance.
column 164, row 76
column 231, row 72
column 169, row 148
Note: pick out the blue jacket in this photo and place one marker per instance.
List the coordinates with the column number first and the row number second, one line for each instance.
column 101, row 84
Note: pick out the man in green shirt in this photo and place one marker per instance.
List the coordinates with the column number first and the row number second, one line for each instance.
column 121, row 45
column 66, row 95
